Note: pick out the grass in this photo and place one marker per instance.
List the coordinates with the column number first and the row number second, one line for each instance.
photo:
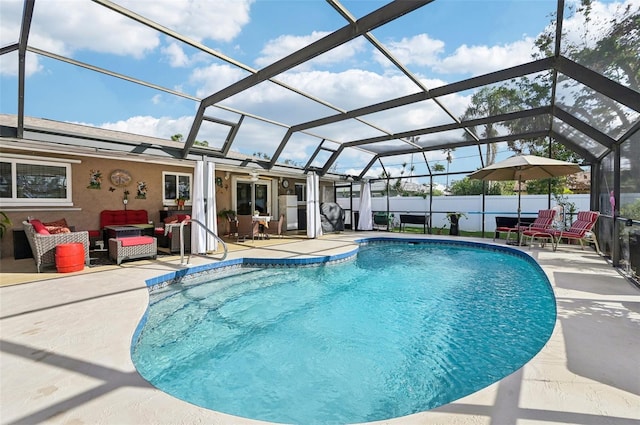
column 434, row 231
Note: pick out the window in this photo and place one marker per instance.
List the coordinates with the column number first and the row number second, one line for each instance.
column 35, row 182
column 301, row 192
column 176, row 186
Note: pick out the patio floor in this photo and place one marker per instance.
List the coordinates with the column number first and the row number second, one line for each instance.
column 65, row 341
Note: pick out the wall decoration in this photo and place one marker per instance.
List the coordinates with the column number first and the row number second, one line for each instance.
column 120, row 178
column 142, row 190
column 219, row 181
column 112, row 189
column 95, row 179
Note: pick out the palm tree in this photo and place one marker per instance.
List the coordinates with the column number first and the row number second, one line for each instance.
column 486, row 102
column 449, row 160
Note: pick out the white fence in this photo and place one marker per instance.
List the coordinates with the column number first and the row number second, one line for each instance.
column 471, row 206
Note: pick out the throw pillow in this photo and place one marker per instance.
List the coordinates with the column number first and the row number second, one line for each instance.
column 39, row 227
column 171, row 219
column 54, row 230
column 59, row 226
column 58, row 223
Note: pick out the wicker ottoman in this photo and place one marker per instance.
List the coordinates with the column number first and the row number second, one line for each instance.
column 132, row 247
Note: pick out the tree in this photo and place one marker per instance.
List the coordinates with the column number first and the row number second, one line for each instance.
column 468, row 186
column 486, row 102
column 610, row 48
column 179, row 138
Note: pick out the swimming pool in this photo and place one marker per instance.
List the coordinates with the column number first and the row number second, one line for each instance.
column 402, row 328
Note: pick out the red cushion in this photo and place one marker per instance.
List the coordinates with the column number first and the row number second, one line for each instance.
column 183, row 217
column 54, row 230
column 122, row 217
column 137, row 217
column 94, row 233
column 171, row 219
column 58, row 223
column 136, row 240
column 39, row 227
column 504, row 229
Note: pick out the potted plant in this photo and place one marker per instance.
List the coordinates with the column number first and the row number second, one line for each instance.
column 454, row 218
column 226, row 216
column 181, row 201
column 4, row 226
column 4, row 223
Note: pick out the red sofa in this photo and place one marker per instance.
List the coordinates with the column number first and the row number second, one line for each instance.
column 120, row 218
column 123, row 217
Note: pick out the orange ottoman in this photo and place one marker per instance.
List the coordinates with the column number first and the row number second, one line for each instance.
column 70, row 257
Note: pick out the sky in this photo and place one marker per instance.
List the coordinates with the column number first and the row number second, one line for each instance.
column 442, row 42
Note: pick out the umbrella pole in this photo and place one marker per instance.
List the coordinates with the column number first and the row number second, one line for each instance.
column 519, row 193
column 519, row 209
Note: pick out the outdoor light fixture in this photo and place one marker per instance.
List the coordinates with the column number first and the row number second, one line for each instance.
column 226, row 175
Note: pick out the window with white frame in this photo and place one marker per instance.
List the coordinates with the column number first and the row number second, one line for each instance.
column 301, row 192
column 35, row 181
column 176, row 186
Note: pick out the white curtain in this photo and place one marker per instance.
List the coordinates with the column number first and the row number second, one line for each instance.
column 365, row 221
column 211, row 220
column 314, row 226
column 198, row 234
column 204, row 208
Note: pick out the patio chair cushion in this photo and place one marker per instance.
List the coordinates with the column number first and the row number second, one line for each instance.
column 136, row 240
column 58, row 223
column 123, row 217
column 176, row 218
column 39, row 227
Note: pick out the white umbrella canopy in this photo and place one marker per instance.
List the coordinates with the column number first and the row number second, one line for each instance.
column 525, row 167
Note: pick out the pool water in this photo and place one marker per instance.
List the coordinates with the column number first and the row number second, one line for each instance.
column 403, row 328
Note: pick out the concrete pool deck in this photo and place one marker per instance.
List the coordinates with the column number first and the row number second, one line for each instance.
column 65, row 341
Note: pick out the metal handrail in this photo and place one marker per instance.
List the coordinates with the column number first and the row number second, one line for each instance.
column 191, row 220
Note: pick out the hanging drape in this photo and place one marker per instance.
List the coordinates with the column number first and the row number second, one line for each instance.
column 198, row 234
column 204, row 208
column 365, row 220
column 314, row 226
column 211, row 210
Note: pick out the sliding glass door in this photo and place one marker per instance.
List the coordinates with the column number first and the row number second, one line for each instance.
column 251, row 197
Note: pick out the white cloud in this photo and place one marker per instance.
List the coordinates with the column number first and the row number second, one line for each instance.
column 477, row 60
column 9, row 64
column 212, row 78
column 87, row 26
column 284, row 45
column 221, row 20
column 424, row 51
column 419, row 50
column 163, row 127
column 176, row 56
column 90, row 27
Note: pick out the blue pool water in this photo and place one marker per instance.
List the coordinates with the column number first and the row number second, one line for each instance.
column 402, row 328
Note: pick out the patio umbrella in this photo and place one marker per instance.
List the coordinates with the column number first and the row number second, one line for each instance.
column 525, row 167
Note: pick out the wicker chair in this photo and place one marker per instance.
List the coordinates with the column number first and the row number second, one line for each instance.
column 44, row 246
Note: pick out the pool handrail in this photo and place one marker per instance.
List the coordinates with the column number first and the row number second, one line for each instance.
column 191, row 220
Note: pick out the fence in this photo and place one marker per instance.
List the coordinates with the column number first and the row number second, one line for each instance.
column 471, row 206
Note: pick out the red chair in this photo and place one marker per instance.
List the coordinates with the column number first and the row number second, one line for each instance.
column 541, row 224
column 581, row 230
